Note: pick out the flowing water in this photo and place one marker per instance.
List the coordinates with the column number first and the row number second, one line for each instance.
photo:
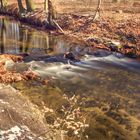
column 105, row 85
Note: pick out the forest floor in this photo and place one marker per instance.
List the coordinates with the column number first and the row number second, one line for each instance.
column 113, row 31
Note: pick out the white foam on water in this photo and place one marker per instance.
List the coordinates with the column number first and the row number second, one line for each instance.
column 60, row 70
column 114, row 59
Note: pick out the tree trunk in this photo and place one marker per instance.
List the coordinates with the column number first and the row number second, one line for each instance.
column 29, row 5
column 21, row 40
column 45, row 5
column 50, row 14
column 1, row 3
column 20, row 6
column 116, row 1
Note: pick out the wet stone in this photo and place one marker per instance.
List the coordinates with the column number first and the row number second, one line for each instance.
column 69, row 55
column 50, row 119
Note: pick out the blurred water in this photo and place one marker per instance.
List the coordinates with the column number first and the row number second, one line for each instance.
column 17, row 38
column 103, row 78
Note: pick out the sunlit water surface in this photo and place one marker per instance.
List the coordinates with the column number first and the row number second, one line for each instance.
column 108, row 83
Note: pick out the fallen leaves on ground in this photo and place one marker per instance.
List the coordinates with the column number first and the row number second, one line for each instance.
column 8, row 76
column 29, row 75
column 123, row 27
column 15, row 58
column 124, row 30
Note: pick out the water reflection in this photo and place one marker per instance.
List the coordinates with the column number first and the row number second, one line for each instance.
column 2, row 35
column 103, row 87
column 18, row 38
column 22, row 39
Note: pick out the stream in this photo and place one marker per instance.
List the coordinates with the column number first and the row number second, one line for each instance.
column 102, row 88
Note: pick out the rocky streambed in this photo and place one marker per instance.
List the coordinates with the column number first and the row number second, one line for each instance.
column 19, row 118
column 90, row 94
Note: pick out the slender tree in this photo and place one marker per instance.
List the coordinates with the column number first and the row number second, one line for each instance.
column 116, row 1
column 20, row 6
column 1, row 3
column 45, row 5
column 50, row 14
column 29, row 5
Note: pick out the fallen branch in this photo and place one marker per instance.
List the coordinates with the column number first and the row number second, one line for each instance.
column 96, row 12
column 44, row 133
column 58, row 26
column 88, row 22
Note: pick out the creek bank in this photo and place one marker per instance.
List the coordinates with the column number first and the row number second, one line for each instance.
column 68, row 106
column 9, row 76
column 19, row 117
column 112, row 109
column 97, row 113
column 102, row 34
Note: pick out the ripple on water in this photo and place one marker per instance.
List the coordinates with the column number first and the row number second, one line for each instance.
column 106, row 84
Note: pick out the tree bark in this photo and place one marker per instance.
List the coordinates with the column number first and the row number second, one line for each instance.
column 29, row 5
column 45, row 5
column 116, row 1
column 1, row 3
column 20, row 6
column 98, row 9
column 50, row 14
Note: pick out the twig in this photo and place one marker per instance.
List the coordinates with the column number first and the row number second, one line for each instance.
column 90, row 21
column 97, row 11
column 58, row 26
column 11, row 117
column 46, row 132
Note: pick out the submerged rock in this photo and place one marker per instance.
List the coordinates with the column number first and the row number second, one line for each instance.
column 69, row 55
column 130, row 51
column 15, row 58
column 19, row 118
column 29, row 75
